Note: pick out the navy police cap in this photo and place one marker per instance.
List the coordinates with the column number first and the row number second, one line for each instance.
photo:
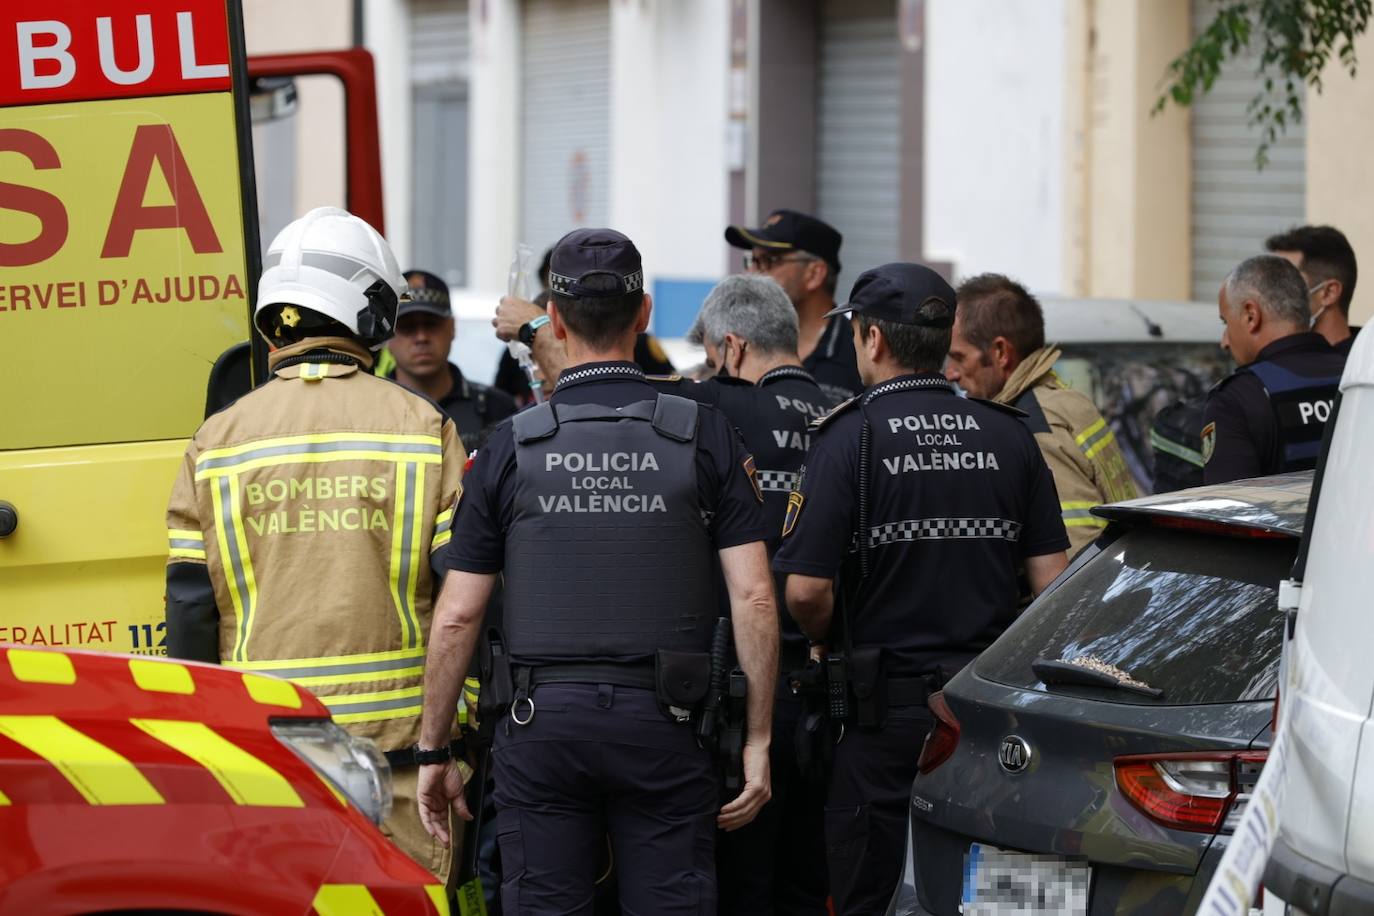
column 428, row 293
column 586, row 253
column 904, row 293
column 787, row 230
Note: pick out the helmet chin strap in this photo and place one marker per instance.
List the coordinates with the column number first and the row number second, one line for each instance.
column 377, row 320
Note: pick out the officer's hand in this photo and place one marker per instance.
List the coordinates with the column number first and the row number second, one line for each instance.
column 441, row 790
column 757, row 790
column 511, row 314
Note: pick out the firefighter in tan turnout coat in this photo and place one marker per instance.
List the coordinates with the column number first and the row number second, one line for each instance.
column 304, row 515
column 998, row 352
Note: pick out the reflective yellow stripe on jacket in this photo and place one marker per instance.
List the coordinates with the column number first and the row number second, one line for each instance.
column 318, row 447
column 405, row 553
column 185, row 544
column 1095, row 438
column 1080, row 514
column 443, row 529
column 324, row 677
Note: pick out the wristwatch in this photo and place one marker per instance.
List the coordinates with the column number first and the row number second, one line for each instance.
column 424, row 757
column 526, row 332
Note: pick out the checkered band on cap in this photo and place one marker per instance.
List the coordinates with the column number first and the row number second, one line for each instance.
column 428, row 296
column 928, row 529
column 569, row 286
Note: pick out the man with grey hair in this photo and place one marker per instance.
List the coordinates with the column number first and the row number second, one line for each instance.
column 749, row 329
column 1267, row 416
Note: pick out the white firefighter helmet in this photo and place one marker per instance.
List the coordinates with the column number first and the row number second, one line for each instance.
column 337, row 267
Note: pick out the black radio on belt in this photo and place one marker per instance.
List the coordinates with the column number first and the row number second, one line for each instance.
column 837, row 687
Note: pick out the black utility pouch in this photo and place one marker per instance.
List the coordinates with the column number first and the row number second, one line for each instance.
column 869, row 687
column 681, row 681
column 498, row 689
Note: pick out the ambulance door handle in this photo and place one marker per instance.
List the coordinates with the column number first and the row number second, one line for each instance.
column 9, row 519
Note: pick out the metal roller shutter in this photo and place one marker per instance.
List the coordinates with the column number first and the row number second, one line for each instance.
column 566, row 120
column 1234, row 206
column 858, row 139
column 439, row 55
column 439, row 45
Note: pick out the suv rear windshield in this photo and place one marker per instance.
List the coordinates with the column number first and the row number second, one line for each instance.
column 1194, row 615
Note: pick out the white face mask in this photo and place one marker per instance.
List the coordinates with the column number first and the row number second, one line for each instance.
column 1321, row 311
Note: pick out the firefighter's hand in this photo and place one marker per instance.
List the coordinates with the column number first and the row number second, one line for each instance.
column 511, row 314
column 757, row 790
column 441, row 791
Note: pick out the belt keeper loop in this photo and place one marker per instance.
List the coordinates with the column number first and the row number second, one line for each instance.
column 522, row 695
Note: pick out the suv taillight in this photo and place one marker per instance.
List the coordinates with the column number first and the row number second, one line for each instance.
column 1202, row 792
column 942, row 740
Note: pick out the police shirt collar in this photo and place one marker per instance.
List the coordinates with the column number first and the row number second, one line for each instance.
column 1303, row 340
column 772, row 375
column 921, row 381
column 831, row 338
column 460, row 384
column 611, row 371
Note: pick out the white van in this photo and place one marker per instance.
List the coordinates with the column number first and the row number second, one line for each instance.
column 1323, row 860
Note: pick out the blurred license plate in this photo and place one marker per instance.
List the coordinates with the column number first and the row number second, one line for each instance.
column 998, row 882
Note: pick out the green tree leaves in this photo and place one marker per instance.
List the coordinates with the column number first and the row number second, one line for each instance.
column 1294, row 38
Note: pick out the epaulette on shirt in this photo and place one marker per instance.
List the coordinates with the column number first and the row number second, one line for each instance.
column 843, row 407
column 663, row 378
column 1016, row 412
column 1228, row 379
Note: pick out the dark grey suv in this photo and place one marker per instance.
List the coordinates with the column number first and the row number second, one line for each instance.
column 1094, row 759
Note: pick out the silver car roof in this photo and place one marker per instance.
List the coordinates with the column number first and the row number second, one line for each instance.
column 1277, row 504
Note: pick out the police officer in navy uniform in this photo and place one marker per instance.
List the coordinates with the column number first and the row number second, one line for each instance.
column 605, row 510
column 802, row 253
column 1267, row 417
column 419, row 361
column 924, row 505
column 1322, row 254
column 749, row 330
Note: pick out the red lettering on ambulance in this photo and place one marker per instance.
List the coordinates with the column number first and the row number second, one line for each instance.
column 51, row 215
column 155, row 143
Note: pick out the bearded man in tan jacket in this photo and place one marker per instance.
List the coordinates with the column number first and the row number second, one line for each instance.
column 998, row 352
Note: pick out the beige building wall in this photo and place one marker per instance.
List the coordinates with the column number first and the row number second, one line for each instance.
column 1340, row 180
column 276, row 27
column 1127, row 206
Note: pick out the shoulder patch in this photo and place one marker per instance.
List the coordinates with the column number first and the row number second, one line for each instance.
column 844, row 406
column 1016, row 412
column 1209, row 441
column 751, row 472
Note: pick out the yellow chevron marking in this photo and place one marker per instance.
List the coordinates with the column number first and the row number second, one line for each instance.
column 438, row 898
column 346, row 900
column 271, row 692
column 162, row 677
column 102, row 776
column 34, row 667
column 247, row 779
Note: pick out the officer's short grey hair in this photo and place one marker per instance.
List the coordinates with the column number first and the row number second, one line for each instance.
column 1275, row 284
column 752, row 307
